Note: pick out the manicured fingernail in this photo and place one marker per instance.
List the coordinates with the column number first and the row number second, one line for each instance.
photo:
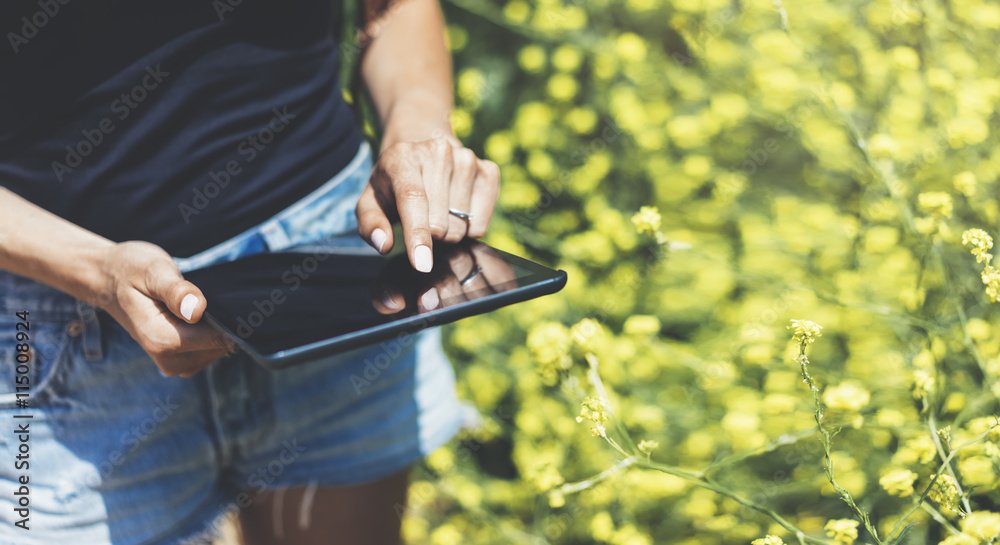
column 187, row 305
column 388, row 301
column 378, row 239
column 430, row 299
column 422, row 259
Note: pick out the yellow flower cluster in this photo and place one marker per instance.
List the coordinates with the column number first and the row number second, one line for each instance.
column 804, row 332
column 842, row 531
column 898, row 482
column 550, row 345
column 847, row 396
column 768, row 540
column 647, row 220
column 945, row 492
column 595, row 410
column 981, row 243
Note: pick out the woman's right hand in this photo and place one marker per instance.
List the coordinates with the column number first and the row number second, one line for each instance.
column 145, row 292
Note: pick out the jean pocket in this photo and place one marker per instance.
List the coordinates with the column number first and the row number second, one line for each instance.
column 32, row 356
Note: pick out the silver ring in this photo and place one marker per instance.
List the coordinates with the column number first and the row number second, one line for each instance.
column 472, row 276
column 464, row 215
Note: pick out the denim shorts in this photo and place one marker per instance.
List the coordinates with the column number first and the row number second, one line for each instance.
column 116, row 453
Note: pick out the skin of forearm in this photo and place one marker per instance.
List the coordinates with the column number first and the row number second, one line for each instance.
column 37, row 244
column 407, row 69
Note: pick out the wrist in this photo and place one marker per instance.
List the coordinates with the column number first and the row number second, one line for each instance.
column 92, row 278
column 416, row 121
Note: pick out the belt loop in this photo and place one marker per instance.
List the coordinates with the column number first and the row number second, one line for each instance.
column 275, row 236
column 92, row 347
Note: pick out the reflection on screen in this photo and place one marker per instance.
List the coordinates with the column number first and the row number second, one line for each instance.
column 284, row 300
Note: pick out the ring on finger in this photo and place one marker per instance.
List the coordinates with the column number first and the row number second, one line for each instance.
column 471, row 276
column 458, row 213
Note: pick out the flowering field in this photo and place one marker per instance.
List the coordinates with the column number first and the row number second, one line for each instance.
column 780, row 323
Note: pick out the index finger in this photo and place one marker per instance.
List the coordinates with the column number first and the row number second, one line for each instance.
column 411, row 204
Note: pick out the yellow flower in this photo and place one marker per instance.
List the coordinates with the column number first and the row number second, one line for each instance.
column 461, row 122
column 471, row 84
column 967, row 130
column 881, row 146
column 982, row 525
column 842, row 531
column 899, row 482
column 567, row 58
column 981, row 243
column 516, row 11
column 936, row 203
column 978, row 471
column 923, row 383
column 965, row 183
column 544, row 476
column 641, row 325
column 846, row 396
column 960, row 539
column 587, row 335
column 531, row 59
column 991, row 277
column 804, row 332
column 647, row 220
column 945, row 492
column 647, row 447
column 630, row 47
column 556, row 499
column 595, row 410
column 562, row 86
column 549, row 343
column 768, row 540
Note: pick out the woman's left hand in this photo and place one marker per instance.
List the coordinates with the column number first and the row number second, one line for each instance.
column 419, row 182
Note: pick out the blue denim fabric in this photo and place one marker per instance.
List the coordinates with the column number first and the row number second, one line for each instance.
column 121, row 455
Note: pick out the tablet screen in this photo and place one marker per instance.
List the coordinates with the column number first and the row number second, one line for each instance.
column 276, row 302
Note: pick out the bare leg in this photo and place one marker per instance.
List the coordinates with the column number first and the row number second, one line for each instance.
column 348, row 515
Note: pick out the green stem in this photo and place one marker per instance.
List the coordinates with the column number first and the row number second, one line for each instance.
column 701, row 480
column 572, row 488
column 827, row 440
column 595, row 378
column 932, row 424
column 920, row 500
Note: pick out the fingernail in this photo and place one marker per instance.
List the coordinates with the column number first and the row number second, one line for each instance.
column 422, row 259
column 388, row 301
column 430, row 299
column 378, row 239
column 162, row 374
column 187, row 305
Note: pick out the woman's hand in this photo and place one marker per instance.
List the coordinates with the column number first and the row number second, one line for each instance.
column 145, row 292
column 418, row 182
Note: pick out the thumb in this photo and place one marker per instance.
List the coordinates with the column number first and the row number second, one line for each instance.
column 165, row 283
column 373, row 225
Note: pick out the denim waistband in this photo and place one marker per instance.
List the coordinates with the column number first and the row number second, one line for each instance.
column 18, row 293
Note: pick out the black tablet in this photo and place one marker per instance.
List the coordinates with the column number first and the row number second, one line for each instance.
column 313, row 301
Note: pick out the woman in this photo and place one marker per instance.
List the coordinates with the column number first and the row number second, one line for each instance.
column 140, row 139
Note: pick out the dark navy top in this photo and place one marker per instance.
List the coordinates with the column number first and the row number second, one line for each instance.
column 178, row 122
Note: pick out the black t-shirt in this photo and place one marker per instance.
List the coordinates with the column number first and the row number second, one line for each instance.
column 178, row 122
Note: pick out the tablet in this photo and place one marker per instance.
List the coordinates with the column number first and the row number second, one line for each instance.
column 313, row 301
